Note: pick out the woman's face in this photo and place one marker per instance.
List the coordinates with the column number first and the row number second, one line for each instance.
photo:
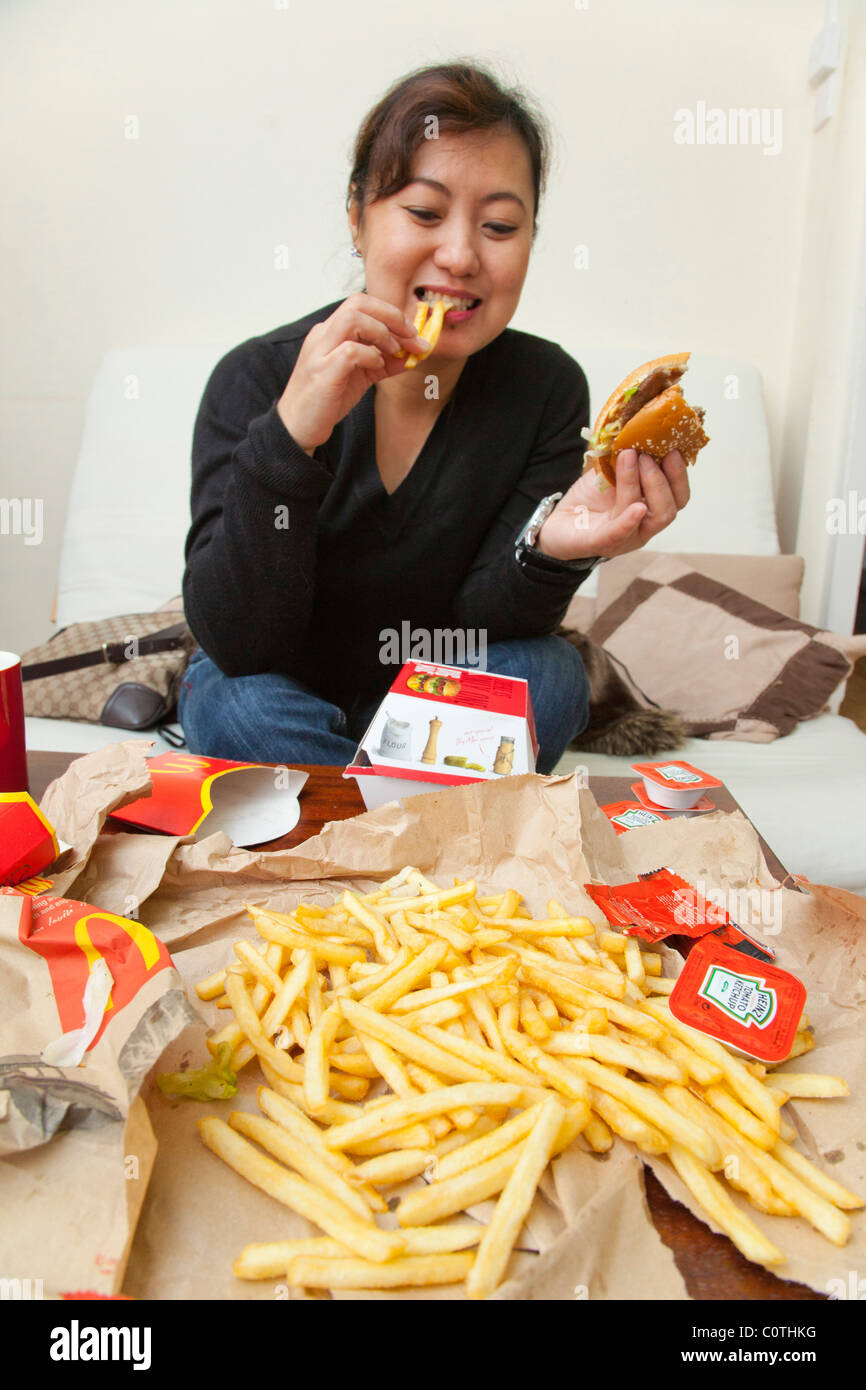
column 463, row 227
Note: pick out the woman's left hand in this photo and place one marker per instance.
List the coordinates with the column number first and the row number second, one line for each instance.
column 594, row 518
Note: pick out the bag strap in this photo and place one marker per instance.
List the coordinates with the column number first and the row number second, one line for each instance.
column 168, row 639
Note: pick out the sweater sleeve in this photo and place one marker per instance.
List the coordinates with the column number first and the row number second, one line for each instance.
column 251, row 548
column 498, row 594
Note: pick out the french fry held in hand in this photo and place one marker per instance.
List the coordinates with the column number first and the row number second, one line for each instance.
column 477, row 1043
column 428, row 322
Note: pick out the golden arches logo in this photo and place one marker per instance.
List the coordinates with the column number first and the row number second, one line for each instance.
column 143, row 939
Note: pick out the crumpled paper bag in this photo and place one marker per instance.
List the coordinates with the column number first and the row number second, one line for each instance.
column 589, row 1233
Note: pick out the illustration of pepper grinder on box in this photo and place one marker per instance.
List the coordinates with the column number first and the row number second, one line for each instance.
column 429, row 754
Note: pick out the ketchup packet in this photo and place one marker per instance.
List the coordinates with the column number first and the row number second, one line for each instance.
column 659, row 905
column 630, row 815
column 755, row 1008
column 663, row 904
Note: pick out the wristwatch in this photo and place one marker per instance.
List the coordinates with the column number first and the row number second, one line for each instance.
column 528, row 557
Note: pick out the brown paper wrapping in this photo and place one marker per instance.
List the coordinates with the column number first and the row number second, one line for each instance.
column 589, row 1234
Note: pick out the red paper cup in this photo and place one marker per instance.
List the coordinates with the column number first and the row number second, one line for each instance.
column 13, row 756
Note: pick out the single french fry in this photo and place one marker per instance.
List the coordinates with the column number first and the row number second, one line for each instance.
column 420, row 1271
column 447, row 1011
column 650, row 1106
column 271, row 1259
column 505, row 1136
column 645, row 1060
column 806, row 1085
column 378, row 927
column 399, row 1165
column 211, row 987
column 634, row 961
column 336, row 1111
column 513, row 1206
column 488, row 1059
column 806, row 1171
column 820, row 1213
column 415, row 1136
column 397, row 1114
column 408, row 1044
column 441, row 1199
column 739, row 1169
column 443, row 897
column 597, row 1135
column 305, row 1159
column 387, row 995
column 746, row 1088
column 278, row 928
column 532, row 1021
column 254, row 959
column 627, row 1124
column 388, row 1065
column 742, row 1119
column 555, row 1073
column 419, row 998
column 301, row 1196
column 292, row 986
column 463, row 1117
column 316, row 1069
column 568, row 990
column 711, row 1195
column 704, row 1072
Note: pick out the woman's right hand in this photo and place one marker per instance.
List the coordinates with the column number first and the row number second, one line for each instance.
column 341, row 359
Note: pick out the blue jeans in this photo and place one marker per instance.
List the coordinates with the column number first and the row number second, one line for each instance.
column 272, row 718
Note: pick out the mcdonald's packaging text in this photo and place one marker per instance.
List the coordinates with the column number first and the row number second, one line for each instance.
column 88, row 1001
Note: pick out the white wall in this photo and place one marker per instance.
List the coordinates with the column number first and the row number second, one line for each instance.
column 823, row 445
column 247, row 110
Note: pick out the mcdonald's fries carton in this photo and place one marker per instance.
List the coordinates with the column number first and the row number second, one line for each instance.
column 250, row 802
column 27, row 839
column 444, row 726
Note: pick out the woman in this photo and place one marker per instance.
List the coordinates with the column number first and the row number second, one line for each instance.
column 338, row 495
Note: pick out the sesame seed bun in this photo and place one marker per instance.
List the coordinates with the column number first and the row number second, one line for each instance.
column 649, row 413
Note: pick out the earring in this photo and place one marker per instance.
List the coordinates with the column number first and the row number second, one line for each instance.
column 355, row 252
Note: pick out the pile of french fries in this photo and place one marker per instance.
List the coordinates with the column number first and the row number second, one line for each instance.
column 419, row 1031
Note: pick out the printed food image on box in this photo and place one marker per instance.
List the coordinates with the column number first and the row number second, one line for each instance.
column 444, row 726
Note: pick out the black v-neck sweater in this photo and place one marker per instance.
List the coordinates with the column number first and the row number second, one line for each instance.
column 302, row 565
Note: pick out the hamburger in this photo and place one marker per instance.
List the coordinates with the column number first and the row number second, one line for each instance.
column 647, row 412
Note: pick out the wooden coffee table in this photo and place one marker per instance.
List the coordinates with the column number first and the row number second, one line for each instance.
column 710, row 1265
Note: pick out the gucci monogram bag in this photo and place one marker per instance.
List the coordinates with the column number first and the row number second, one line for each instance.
column 124, row 672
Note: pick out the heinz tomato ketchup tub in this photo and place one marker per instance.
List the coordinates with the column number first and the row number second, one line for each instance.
column 674, row 784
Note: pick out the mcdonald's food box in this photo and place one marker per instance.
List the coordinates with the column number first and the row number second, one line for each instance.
column 444, row 726
column 28, row 842
column 250, row 802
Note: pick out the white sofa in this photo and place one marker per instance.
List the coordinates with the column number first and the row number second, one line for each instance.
column 128, row 515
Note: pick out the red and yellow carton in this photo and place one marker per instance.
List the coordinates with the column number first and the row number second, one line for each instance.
column 27, row 840
column 251, row 802
column 444, row 726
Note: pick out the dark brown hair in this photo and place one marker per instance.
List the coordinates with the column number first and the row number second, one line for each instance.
column 463, row 97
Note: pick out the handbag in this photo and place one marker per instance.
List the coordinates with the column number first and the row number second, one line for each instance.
column 123, row 672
